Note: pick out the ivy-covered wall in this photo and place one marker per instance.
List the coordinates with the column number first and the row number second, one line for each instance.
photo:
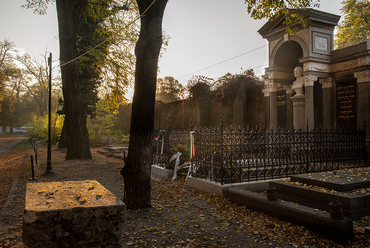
column 239, row 101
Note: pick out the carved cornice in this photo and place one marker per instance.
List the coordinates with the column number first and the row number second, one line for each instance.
column 326, row 82
column 362, row 76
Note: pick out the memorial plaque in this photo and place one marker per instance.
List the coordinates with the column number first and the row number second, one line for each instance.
column 281, row 108
column 346, row 104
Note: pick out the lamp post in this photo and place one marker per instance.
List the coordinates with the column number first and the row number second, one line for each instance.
column 48, row 165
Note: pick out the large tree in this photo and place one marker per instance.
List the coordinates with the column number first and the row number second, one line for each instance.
column 69, row 17
column 355, row 27
column 95, row 37
column 136, row 172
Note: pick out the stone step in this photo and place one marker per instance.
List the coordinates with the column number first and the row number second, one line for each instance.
column 354, row 206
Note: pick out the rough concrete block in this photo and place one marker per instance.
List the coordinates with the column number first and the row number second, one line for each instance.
column 72, row 214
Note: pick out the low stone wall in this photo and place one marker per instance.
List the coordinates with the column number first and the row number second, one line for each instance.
column 72, row 214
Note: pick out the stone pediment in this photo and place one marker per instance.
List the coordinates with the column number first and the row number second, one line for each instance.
column 319, row 17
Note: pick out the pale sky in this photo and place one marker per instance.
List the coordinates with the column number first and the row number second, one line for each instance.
column 203, row 33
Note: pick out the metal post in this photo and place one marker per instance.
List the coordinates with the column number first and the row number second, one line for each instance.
column 35, row 152
column 48, row 165
column 32, row 169
column 222, row 151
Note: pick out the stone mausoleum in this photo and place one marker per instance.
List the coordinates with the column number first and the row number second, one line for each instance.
column 308, row 82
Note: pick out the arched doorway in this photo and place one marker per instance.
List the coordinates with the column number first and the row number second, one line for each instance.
column 286, row 59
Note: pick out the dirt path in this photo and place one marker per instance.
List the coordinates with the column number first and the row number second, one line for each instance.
column 10, row 141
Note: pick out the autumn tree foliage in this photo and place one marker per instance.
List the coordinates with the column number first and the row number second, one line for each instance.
column 355, row 26
column 168, row 89
column 293, row 10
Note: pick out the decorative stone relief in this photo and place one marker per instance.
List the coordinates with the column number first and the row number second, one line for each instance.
column 351, row 64
column 363, row 61
column 312, row 66
column 326, row 82
column 321, row 43
column 362, row 76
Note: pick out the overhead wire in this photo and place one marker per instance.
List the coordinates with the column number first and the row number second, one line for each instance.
column 223, row 61
column 101, row 43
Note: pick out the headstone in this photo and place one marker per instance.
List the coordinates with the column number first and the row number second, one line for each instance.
column 72, row 214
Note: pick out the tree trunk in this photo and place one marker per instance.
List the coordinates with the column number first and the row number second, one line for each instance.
column 136, row 172
column 69, row 16
column 63, row 138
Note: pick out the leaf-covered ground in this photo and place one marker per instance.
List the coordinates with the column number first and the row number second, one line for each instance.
column 180, row 216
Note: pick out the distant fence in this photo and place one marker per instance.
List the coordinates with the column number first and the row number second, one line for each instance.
column 235, row 155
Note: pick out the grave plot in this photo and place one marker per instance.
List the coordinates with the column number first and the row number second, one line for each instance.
column 305, row 200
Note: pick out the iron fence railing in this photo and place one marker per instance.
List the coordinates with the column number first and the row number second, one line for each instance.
column 238, row 155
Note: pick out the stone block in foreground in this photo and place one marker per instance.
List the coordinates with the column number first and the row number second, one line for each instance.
column 72, row 214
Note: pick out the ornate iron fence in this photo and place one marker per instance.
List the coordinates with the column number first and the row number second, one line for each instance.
column 237, row 155
column 234, row 156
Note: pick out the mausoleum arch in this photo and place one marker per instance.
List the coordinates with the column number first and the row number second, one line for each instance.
column 286, row 53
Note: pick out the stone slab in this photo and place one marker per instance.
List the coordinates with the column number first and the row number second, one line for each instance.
column 354, row 206
column 339, row 231
column 72, row 214
column 217, row 188
column 345, row 180
column 161, row 173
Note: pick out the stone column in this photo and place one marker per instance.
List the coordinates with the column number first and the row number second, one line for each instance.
column 273, row 104
column 309, row 107
column 266, row 94
column 363, row 108
column 327, row 102
column 289, row 106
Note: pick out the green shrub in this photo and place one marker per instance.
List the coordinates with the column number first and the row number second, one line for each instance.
column 40, row 125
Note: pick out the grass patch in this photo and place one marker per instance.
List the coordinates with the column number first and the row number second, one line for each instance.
column 24, row 145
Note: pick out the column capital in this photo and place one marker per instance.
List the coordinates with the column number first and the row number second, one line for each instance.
column 266, row 92
column 309, row 80
column 288, row 89
column 273, row 86
column 362, row 76
column 326, row 82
